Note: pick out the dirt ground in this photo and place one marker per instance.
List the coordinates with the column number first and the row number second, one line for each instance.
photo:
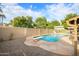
column 18, row 48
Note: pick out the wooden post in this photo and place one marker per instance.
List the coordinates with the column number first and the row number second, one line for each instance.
column 75, row 40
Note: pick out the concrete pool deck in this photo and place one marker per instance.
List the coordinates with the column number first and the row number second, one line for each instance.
column 63, row 47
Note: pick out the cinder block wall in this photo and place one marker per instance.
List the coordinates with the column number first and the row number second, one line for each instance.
column 7, row 33
column 37, row 32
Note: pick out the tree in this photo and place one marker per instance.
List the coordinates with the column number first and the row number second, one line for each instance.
column 22, row 21
column 54, row 23
column 1, row 14
column 69, row 16
column 49, row 25
column 29, row 21
column 41, row 22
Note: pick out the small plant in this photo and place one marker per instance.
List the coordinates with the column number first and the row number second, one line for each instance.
column 11, row 36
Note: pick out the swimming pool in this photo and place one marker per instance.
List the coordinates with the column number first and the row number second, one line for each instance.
column 49, row 38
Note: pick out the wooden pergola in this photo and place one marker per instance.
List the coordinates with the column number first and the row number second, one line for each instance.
column 74, row 22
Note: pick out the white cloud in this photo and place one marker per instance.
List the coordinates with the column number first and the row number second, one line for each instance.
column 13, row 10
column 53, row 11
column 59, row 11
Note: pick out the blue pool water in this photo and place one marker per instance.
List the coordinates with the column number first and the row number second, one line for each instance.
column 49, row 38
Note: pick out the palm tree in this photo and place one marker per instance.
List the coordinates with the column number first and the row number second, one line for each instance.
column 1, row 14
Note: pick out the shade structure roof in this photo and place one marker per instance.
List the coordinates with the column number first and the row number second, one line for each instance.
column 73, row 21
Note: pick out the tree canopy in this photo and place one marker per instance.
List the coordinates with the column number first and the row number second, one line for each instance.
column 69, row 16
column 22, row 21
column 40, row 22
column 55, row 23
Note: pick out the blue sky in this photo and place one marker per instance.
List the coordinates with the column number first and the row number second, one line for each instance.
column 52, row 11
